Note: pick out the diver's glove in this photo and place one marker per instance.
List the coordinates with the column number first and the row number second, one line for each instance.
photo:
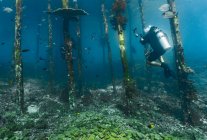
column 137, row 34
column 142, row 40
column 167, row 71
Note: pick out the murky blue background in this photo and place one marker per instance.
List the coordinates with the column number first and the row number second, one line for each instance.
column 192, row 17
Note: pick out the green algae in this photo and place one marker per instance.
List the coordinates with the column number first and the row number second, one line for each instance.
column 94, row 126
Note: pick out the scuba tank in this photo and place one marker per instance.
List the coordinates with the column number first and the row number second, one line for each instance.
column 157, row 39
column 162, row 39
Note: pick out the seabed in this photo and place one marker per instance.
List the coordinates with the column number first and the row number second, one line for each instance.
column 99, row 116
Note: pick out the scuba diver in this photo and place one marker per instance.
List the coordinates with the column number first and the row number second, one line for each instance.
column 159, row 43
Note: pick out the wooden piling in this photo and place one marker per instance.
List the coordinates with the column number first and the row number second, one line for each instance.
column 37, row 51
column 18, row 57
column 69, row 14
column 148, row 72
column 69, row 47
column 50, row 51
column 132, row 63
column 187, row 90
column 80, row 56
column 119, row 21
column 106, row 38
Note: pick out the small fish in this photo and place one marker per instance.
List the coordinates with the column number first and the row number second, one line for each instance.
column 2, row 43
column 87, row 49
column 40, row 58
column 63, row 52
column 25, row 50
column 164, row 8
column 135, row 30
column 43, row 20
column 7, row 10
column 111, row 16
column 151, row 125
column 136, row 33
column 24, row 7
column 45, row 69
column 93, row 36
column 169, row 14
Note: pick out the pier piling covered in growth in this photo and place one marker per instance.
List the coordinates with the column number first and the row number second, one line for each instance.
column 18, row 58
column 50, row 51
column 148, row 73
column 132, row 60
column 186, row 87
column 69, row 14
column 119, row 22
column 80, row 56
column 106, row 38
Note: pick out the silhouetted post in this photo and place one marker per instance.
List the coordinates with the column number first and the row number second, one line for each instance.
column 106, row 38
column 69, row 14
column 186, row 87
column 119, row 22
column 132, row 66
column 80, row 57
column 37, row 51
column 69, row 48
column 18, row 57
column 141, row 10
column 50, row 51
column 103, row 44
column 146, row 47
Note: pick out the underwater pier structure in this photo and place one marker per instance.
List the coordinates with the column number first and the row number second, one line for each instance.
column 50, row 51
column 102, row 39
column 80, row 55
column 119, row 22
column 69, row 14
column 106, row 39
column 132, row 61
column 18, row 58
column 37, row 51
column 146, row 46
column 187, row 90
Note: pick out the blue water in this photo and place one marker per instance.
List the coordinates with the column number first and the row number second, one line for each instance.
column 96, row 69
column 192, row 24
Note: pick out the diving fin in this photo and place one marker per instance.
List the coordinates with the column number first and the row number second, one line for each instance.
column 167, row 71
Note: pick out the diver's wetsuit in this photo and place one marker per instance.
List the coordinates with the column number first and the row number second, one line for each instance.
column 159, row 43
column 151, row 39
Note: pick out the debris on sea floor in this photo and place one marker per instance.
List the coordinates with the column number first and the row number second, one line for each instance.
column 100, row 120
